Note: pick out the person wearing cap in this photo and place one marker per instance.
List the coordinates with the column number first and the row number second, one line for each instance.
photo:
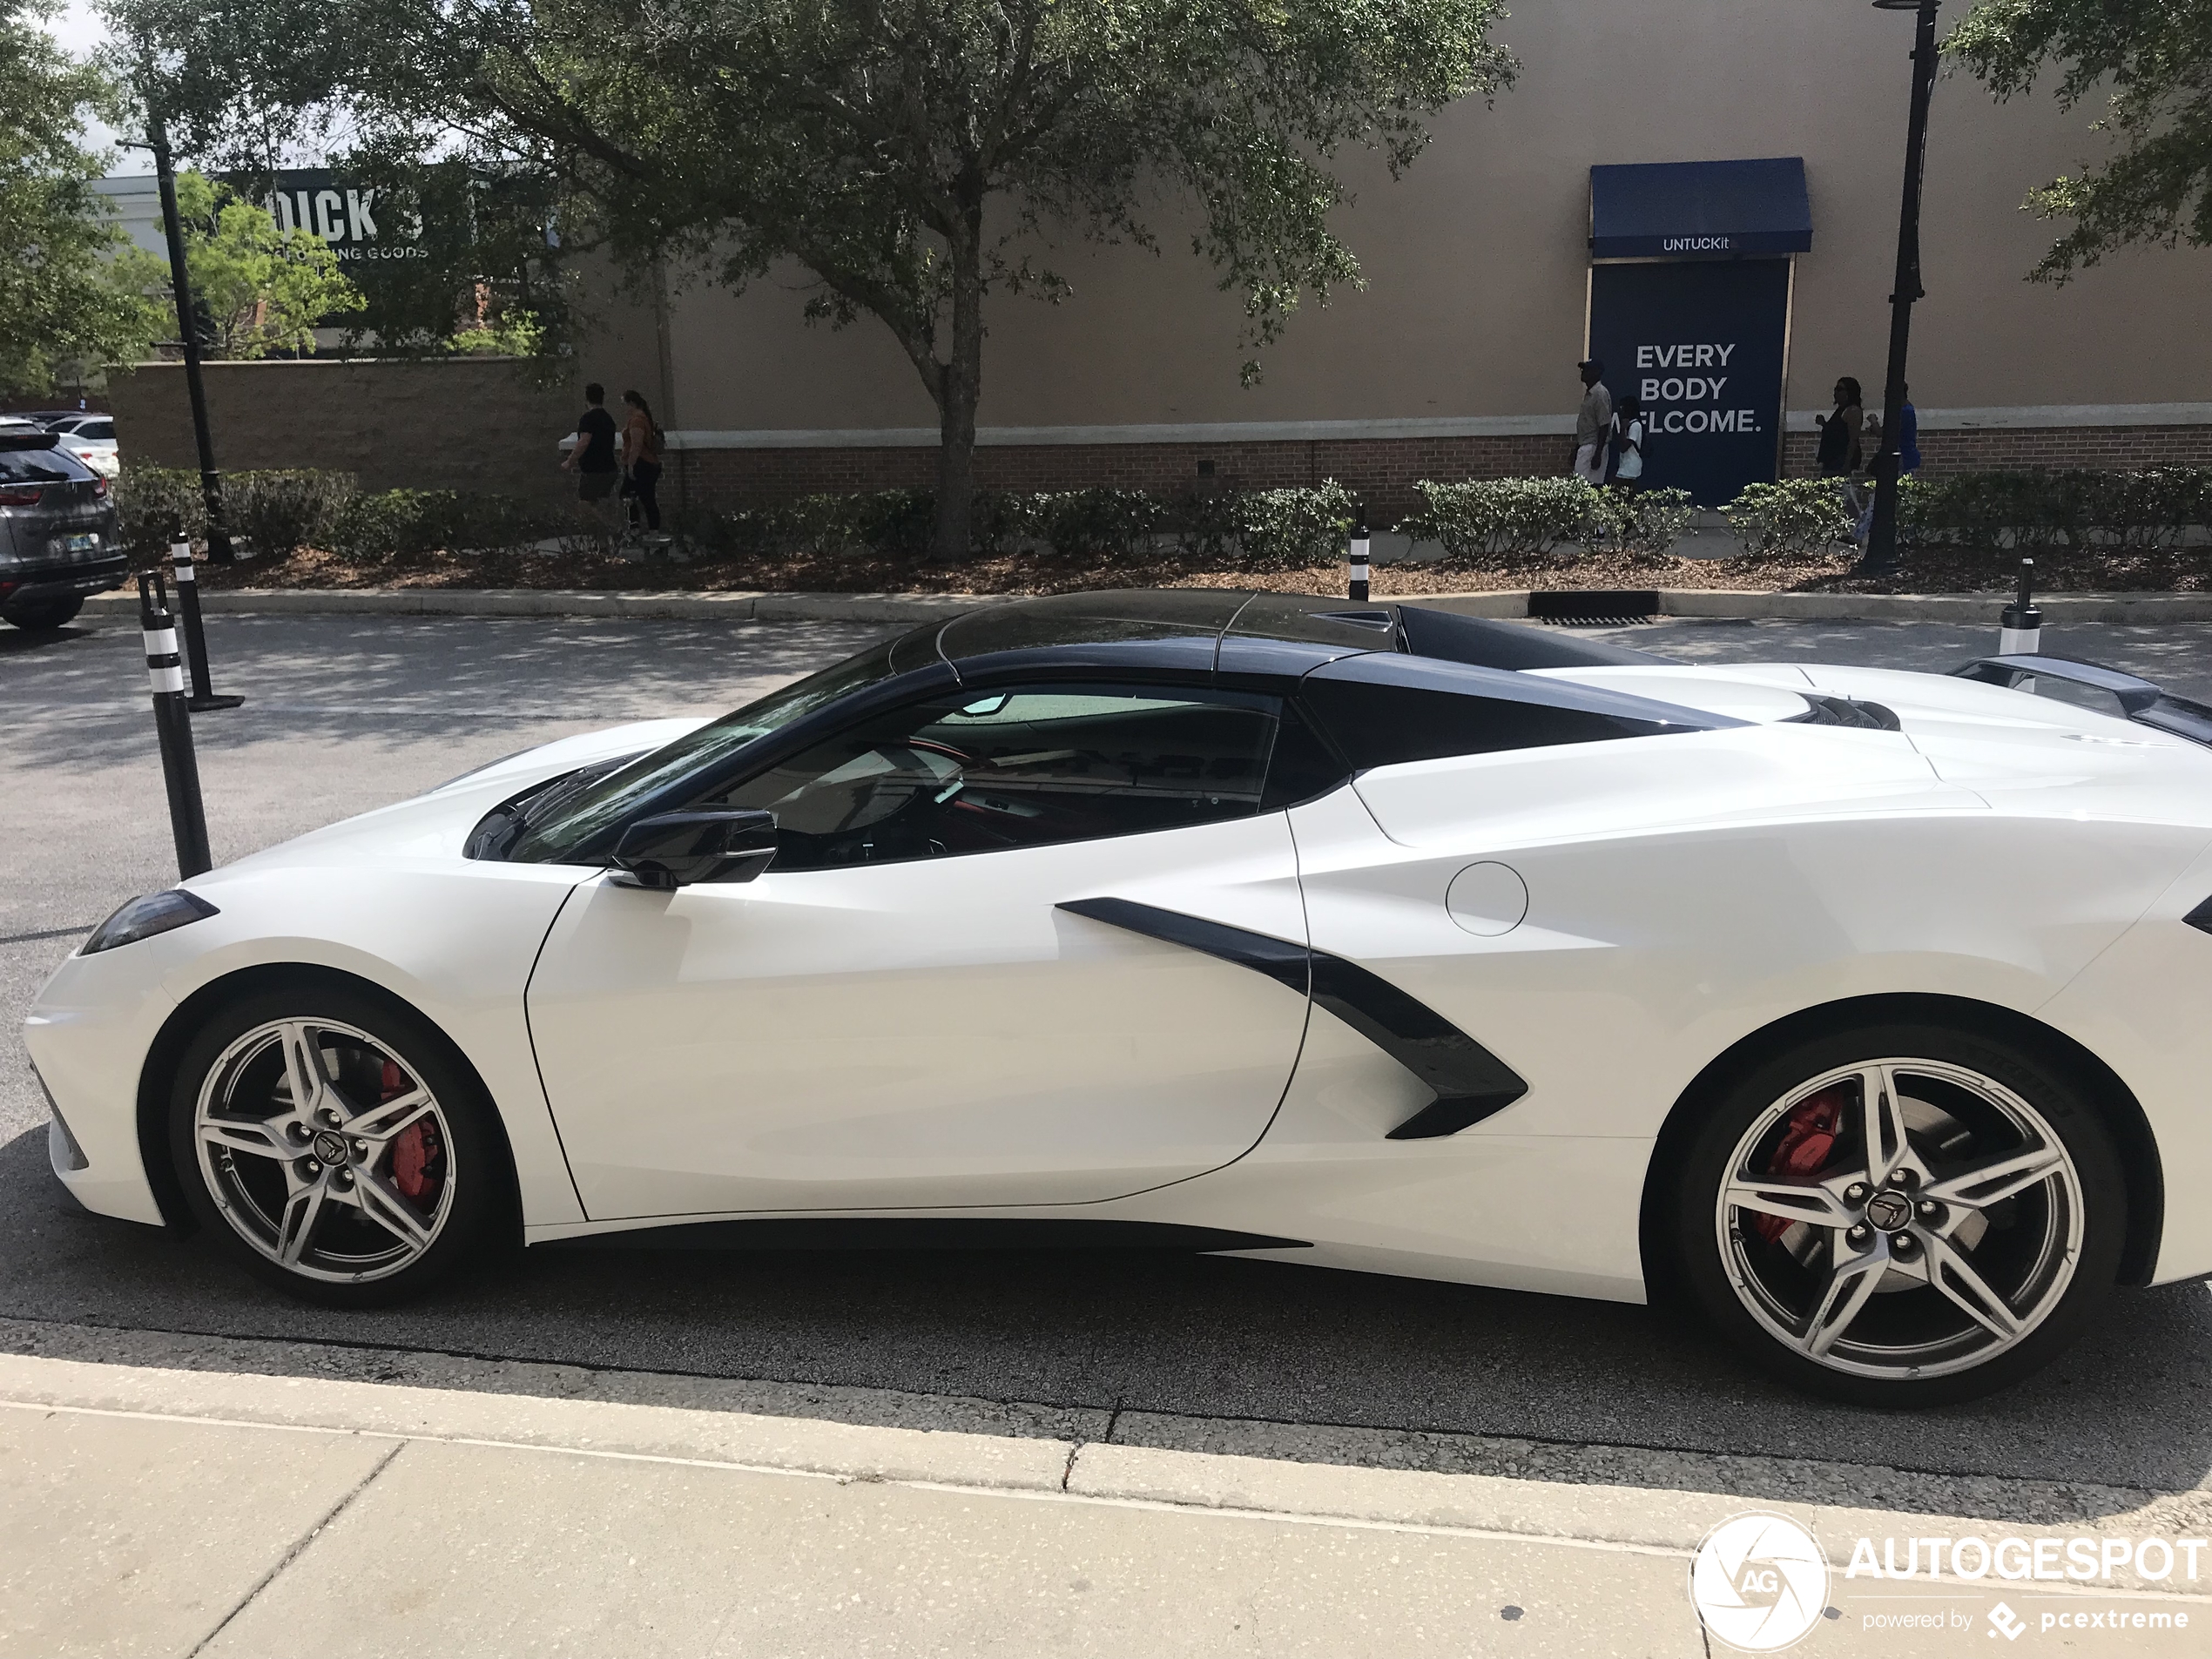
column 1593, row 424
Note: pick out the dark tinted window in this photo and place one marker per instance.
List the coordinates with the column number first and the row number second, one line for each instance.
column 1089, row 619
column 555, row 831
column 978, row 771
column 1485, row 644
column 1383, row 725
column 1303, row 766
column 99, row 429
column 39, row 467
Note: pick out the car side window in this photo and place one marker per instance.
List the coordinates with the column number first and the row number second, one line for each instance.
column 1386, row 726
column 965, row 770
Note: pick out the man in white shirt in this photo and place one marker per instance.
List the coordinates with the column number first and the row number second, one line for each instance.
column 1592, row 423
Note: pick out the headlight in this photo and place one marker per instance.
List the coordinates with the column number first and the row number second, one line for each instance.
column 156, row 912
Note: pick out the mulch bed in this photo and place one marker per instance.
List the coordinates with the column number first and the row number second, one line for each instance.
column 1937, row 571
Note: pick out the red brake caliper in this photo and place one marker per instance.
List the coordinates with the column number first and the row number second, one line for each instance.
column 1804, row 1148
column 414, row 1148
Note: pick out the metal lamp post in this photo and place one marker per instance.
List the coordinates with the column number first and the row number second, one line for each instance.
column 211, row 481
column 1881, row 537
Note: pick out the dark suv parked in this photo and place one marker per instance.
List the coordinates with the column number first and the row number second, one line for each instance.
column 57, row 540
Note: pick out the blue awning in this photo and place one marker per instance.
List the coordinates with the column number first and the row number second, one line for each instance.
column 1700, row 209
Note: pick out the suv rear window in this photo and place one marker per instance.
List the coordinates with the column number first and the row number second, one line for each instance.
column 40, row 467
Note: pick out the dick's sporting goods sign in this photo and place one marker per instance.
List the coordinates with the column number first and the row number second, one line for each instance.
column 351, row 218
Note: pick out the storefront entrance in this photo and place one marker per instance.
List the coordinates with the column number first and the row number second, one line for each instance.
column 1689, row 311
column 1703, row 343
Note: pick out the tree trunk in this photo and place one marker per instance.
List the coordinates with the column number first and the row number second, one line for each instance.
column 962, row 383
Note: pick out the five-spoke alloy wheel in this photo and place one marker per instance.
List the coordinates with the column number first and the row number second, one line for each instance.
column 333, row 1143
column 1904, row 1216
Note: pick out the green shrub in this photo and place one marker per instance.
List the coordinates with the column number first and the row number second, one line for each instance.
column 278, row 512
column 1491, row 520
column 389, row 523
column 149, row 502
column 1119, row 523
column 1645, row 522
column 1293, row 530
column 1799, row 516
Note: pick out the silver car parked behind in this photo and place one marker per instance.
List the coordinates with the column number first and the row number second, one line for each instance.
column 57, row 541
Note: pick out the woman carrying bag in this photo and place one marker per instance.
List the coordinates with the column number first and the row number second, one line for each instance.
column 1840, row 454
column 641, row 441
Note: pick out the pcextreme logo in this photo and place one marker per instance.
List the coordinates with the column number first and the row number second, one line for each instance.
column 1760, row 1581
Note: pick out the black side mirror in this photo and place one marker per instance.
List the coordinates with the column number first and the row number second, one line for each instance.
column 673, row 850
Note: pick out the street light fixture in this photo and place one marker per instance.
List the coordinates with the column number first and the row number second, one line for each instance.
column 1881, row 536
column 211, row 481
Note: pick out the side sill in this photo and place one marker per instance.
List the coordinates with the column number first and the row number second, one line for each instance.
column 922, row 1232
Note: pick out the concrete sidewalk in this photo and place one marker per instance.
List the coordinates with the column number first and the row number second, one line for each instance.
column 166, row 1512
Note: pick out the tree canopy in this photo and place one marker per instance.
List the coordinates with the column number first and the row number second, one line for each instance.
column 913, row 156
column 61, row 308
column 259, row 289
column 2149, row 64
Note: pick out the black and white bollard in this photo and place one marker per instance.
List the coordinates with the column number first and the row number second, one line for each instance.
column 173, row 723
column 2020, row 631
column 1358, row 586
column 203, row 691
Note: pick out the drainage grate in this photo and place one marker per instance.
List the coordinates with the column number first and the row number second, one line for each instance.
column 1593, row 607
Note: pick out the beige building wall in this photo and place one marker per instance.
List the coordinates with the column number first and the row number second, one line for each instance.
column 1477, row 262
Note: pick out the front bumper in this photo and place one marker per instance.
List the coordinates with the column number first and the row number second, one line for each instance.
column 89, row 1034
column 31, row 584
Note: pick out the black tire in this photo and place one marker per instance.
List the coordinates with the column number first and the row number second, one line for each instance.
column 46, row 615
column 1738, row 1276
column 239, row 1194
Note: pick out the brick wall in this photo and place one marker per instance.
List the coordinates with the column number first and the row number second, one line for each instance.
column 462, row 423
column 1980, row 449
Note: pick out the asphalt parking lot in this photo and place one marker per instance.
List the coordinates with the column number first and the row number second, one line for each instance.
column 348, row 713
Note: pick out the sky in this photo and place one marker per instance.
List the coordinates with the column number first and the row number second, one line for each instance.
column 80, row 31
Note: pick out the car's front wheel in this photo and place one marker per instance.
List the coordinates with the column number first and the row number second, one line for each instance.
column 334, row 1145
column 1901, row 1216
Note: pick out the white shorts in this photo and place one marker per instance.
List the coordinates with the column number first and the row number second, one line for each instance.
column 1589, row 463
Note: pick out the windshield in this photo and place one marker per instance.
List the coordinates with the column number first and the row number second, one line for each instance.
column 564, row 824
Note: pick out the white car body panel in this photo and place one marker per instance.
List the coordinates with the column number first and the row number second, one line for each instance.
column 781, row 1047
column 386, row 896
column 932, row 1033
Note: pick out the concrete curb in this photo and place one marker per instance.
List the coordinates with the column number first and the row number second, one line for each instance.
column 909, row 609
column 1641, row 1518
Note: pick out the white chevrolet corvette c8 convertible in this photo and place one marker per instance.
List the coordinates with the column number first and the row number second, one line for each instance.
column 1861, row 1011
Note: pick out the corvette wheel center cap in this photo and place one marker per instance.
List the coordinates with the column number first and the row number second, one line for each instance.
column 1889, row 1210
column 330, row 1147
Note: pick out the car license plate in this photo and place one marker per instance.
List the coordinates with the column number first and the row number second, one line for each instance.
column 79, row 544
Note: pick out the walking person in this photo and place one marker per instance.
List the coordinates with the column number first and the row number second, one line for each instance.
column 1592, row 423
column 642, row 442
column 1840, row 454
column 1908, row 451
column 1626, row 446
column 592, row 458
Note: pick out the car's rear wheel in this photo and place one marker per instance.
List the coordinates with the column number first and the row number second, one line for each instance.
column 334, row 1145
column 46, row 615
column 1904, row 1215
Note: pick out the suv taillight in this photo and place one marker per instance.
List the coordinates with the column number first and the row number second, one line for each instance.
column 19, row 496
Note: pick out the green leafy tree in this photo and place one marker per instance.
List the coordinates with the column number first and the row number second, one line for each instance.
column 62, row 307
column 259, row 289
column 913, row 156
column 2150, row 63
